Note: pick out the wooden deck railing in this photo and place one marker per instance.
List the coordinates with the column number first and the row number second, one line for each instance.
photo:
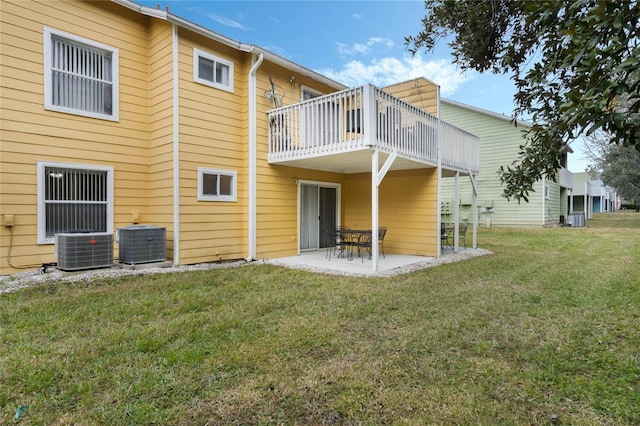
column 367, row 117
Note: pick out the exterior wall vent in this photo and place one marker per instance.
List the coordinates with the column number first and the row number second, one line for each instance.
column 142, row 244
column 78, row 251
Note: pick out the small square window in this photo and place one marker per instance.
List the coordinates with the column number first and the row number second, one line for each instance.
column 212, row 70
column 217, row 185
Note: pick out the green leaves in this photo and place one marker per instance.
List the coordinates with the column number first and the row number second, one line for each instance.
column 575, row 65
column 621, row 170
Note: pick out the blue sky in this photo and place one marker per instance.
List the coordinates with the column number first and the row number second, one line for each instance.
column 352, row 42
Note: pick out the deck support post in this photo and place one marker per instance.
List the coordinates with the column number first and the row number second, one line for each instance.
column 571, row 200
column 456, row 232
column 374, row 210
column 474, row 208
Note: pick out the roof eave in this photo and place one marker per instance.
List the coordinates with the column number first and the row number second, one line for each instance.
column 243, row 47
column 486, row 112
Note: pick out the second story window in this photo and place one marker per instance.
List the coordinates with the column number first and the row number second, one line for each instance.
column 309, row 93
column 212, row 71
column 81, row 76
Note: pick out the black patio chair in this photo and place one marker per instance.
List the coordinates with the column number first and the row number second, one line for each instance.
column 362, row 244
column 445, row 235
column 462, row 233
column 381, row 234
column 331, row 242
column 344, row 240
column 448, row 235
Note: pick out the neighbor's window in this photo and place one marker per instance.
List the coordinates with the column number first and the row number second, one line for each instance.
column 212, row 71
column 546, row 190
column 217, row 185
column 80, row 76
column 73, row 198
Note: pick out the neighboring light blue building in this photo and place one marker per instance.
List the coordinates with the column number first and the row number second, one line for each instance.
column 592, row 196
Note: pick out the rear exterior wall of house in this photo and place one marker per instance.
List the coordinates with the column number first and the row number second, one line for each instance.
column 32, row 133
column 407, row 202
column 163, row 119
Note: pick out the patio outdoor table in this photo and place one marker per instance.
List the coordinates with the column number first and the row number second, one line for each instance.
column 351, row 238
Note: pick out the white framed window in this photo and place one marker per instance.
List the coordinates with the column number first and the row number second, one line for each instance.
column 212, row 70
column 307, row 93
column 217, row 185
column 546, row 190
column 73, row 198
column 80, row 76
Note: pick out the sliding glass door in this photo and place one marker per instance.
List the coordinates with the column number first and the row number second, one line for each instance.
column 318, row 212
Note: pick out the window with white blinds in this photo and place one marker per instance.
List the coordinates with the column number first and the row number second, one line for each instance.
column 74, row 199
column 80, row 76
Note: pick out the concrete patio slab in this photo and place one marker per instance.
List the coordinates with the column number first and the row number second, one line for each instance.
column 392, row 264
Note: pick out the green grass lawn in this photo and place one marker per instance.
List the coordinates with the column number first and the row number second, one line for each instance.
column 547, row 326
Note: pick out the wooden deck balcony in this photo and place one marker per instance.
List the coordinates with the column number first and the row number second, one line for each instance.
column 338, row 131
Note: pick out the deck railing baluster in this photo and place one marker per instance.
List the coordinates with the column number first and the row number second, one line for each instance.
column 336, row 123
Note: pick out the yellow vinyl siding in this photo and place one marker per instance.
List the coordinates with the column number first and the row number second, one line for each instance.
column 31, row 134
column 212, row 135
column 420, row 92
column 408, row 202
column 277, row 189
column 407, row 207
column 53, row 124
column 160, row 174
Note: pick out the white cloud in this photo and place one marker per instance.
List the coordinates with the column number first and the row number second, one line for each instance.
column 227, row 22
column 363, row 48
column 386, row 71
column 274, row 19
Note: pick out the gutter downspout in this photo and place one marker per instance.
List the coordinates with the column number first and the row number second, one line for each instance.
column 251, row 251
column 439, row 196
column 176, row 150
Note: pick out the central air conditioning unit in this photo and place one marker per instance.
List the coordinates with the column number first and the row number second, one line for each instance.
column 576, row 219
column 77, row 251
column 142, row 244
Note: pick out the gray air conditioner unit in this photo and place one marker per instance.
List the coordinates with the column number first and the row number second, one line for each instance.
column 77, row 251
column 142, row 244
column 576, row 219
